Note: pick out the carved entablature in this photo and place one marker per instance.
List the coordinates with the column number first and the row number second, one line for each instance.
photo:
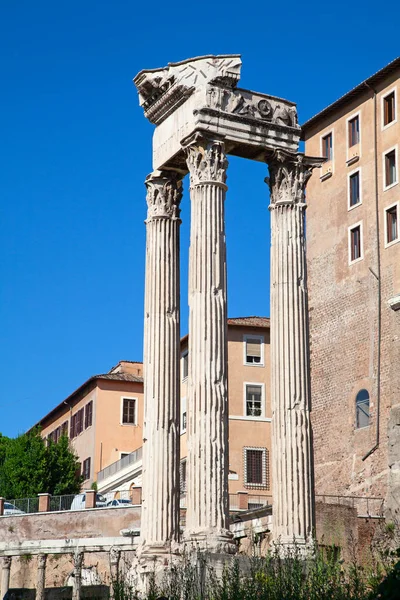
column 252, row 105
column 162, row 91
column 288, row 176
column 207, row 162
column 164, row 193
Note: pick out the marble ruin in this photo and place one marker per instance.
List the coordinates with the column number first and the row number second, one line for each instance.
column 201, row 117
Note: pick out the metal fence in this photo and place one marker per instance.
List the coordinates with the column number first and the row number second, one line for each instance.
column 366, row 506
column 130, row 459
column 59, row 503
column 21, row 505
column 259, row 501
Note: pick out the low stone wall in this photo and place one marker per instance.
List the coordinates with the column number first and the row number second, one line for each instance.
column 96, row 522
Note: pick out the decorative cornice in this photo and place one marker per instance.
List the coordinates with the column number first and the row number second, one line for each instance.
column 288, row 177
column 206, row 161
column 164, row 193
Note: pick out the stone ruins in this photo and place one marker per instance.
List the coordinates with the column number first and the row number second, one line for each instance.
column 201, row 117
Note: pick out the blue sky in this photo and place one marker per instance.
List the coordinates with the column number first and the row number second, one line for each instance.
column 75, row 149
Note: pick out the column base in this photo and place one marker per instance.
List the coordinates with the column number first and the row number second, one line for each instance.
column 212, row 541
column 150, row 565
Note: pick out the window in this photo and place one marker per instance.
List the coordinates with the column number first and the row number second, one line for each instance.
column 123, row 454
column 256, row 468
column 354, row 189
column 254, row 400
column 253, row 350
column 88, row 414
column 64, row 428
column 389, row 108
column 391, row 224
column 86, row 469
column 390, row 168
column 355, row 243
column 182, row 476
column 183, row 415
column 327, row 146
column 79, row 421
column 354, row 131
column 185, row 365
column 128, row 411
column 362, row 409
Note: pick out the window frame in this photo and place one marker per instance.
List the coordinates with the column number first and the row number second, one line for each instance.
column 384, row 154
column 183, row 480
column 349, row 230
column 184, row 354
column 356, row 426
column 349, row 119
column 265, row 468
column 86, row 462
column 385, row 211
column 393, row 91
column 88, row 413
column 260, row 337
column 183, row 412
column 349, row 176
column 322, row 138
column 262, row 386
column 135, row 411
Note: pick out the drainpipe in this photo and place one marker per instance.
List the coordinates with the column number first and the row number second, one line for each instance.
column 377, row 275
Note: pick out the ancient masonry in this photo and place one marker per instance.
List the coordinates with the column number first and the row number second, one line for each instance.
column 201, row 117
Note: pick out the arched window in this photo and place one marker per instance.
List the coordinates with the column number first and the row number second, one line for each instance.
column 362, row 409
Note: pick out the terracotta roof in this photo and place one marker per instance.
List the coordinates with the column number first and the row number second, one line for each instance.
column 120, row 377
column 356, row 91
column 250, row 321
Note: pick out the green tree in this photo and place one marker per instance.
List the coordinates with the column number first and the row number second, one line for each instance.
column 30, row 466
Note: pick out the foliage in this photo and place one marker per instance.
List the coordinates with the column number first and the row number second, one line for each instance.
column 279, row 576
column 29, row 466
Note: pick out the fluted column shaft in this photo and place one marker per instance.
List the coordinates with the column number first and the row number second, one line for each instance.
column 5, row 575
column 41, row 576
column 207, row 462
column 292, row 486
column 160, row 482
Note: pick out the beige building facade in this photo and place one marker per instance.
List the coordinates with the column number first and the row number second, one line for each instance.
column 104, row 419
column 353, row 255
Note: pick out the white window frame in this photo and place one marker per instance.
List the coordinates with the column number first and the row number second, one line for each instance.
column 385, row 95
column 348, row 187
column 249, row 484
column 350, row 118
column 183, row 355
column 122, row 452
column 349, row 229
column 122, row 411
column 397, row 240
column 253, row 337
column 384, row 154
column 324, row 135
column 182, row 488
column 262, row 386
column 183, row 410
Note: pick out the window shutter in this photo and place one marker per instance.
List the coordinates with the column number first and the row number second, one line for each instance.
column 254, row 348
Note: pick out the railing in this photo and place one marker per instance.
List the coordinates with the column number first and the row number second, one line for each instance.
column 119, row 464
column 366, row 506
column 21, row 505
column 59, row 503
column 259, row 501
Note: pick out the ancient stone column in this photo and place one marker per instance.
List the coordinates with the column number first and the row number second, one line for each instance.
column 41, row 576
column 115, row 555
column 292, row 477
column 207, row 459
column 5, row 576
column 161, row 442
column 77, row 585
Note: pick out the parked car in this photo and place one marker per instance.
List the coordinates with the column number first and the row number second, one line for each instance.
column 119, row 502
column 11, row 509
column 79, row 501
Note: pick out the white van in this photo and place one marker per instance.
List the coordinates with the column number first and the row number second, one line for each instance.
column 78, row 503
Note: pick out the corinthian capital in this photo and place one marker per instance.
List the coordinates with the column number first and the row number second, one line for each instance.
column 206, row 161
column 164, row 193
column 288, row 176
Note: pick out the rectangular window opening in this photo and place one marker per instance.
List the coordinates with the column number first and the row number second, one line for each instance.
column 88, row 414
column 253, row 350
column 354, row 131
column 389, row 109
column 253, row 400
column 128, row 411
column 392, row 232
column 390, row 168
column 327, row 146
column 256, row 468
column 185, row 365
column 354, row 188
column 355, row 243
column 86, row 469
